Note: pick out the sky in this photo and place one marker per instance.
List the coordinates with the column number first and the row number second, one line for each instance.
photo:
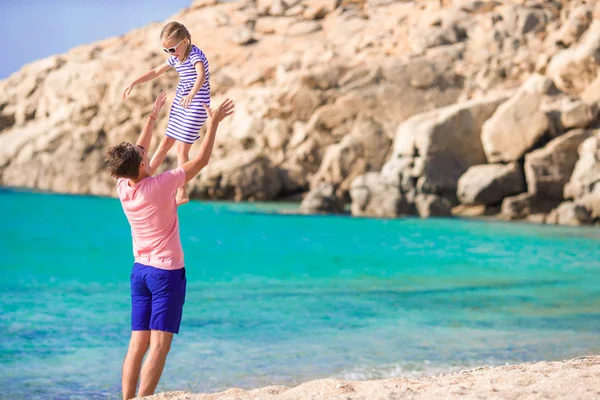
column 35, row 29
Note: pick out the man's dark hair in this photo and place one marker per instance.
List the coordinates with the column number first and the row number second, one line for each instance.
column 124, row 161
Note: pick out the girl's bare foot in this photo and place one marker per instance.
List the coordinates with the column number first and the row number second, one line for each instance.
column 181, row 197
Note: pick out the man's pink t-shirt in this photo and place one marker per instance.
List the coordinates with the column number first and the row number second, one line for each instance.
column 152, row 213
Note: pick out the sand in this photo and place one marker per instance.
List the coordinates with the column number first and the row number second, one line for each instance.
column 573, row 379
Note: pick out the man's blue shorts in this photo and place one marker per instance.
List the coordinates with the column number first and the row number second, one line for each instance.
column 157, row 297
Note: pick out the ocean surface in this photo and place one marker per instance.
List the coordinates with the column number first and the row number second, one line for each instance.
column 282, row 299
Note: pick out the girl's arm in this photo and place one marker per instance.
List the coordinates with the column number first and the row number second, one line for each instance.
column 187, row 100
column 148, row 76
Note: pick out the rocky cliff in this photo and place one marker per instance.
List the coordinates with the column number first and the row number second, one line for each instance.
column 394, row 107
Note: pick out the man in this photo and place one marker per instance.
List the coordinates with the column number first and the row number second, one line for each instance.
column 158, row 280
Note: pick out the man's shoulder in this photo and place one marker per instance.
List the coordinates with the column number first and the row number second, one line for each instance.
column 170, row 175
column 121, row 184
column 170, row 172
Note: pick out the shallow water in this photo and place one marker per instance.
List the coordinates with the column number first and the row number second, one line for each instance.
column 281, row 299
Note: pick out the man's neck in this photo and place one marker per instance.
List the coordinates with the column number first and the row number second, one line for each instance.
column 133, row 182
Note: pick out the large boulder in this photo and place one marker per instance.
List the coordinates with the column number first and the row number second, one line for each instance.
column 586, row 174
column 247, row 175
column 322, row 199
column 363, row 149
column 516, row 126
column 575, row 68
column 372, row 197
column 445, row 142
column 549, row 169
column 489, row 183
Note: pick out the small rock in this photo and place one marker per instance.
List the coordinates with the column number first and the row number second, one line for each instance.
column 524, row 204
column 489, row 184
column 277, row 8
column 586, row 174
column 579, row 115
column 569, row 213
column 243, row 36
column 294, row 11
column 322, row 199
column 573, row 69
column 431, row 205
column 591, row 94
column 372, row 197
column 577, row 23
column 303, row 28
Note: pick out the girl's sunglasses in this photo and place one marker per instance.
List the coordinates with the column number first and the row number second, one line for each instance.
column 174, row 48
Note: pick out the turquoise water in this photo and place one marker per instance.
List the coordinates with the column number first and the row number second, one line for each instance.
column 281, row 299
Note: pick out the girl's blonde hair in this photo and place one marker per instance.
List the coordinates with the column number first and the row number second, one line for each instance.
column 177, row 31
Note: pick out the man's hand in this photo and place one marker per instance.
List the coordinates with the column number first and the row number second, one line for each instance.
column 224, row 110
column 193, row 167
column 127, row 90
column 186, row 101
column 158, row 104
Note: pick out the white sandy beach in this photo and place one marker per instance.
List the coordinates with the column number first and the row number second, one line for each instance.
column 573, row 379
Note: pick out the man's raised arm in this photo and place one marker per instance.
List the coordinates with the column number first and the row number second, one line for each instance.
column 193, row 167
column 146, row 136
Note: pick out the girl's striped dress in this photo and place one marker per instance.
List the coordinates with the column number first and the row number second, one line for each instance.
column 185, row 123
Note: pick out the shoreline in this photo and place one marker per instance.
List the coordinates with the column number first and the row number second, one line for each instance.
column 578, row 378
column 287, row 207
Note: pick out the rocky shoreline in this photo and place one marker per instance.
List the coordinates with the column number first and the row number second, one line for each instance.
column 429, row 108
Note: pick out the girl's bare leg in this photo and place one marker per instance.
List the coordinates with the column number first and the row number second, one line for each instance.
column 159, row 156
column 183, row 156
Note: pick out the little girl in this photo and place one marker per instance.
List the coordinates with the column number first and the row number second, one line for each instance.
column 187, row 113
